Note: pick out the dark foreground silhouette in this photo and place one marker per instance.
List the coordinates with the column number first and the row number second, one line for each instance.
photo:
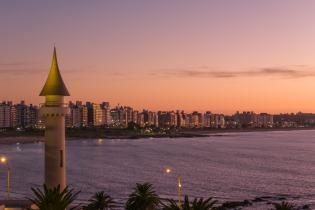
column 143, row 197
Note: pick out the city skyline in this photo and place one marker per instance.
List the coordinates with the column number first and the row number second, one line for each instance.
column 84, row 102
column 216, row 56
column 103, row 115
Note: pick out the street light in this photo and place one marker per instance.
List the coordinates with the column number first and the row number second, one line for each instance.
column 179, row 185
column 4, row 160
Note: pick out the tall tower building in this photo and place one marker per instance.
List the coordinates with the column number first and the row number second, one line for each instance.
column 54, row 111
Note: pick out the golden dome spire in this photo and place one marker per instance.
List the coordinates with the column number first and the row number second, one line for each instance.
column 54, row 84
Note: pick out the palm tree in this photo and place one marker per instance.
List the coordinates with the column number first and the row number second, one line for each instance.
column 201, row 204
column 186, row 204
column 54, row 198
column 100, row 201
column 172, row 205
column 197, row 204
column 283, row 206
column 143, row 198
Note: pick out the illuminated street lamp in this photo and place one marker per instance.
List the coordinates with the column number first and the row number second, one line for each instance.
column 179, row 185
column 4, row 160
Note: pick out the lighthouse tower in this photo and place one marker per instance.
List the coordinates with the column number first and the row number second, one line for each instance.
column 53, row 111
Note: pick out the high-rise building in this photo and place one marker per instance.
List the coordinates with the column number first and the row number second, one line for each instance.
column 140, row 119
column 221, row 121
column 196, row 120
column 77, row 117
column 5, row 115
column 246, row 119
column 128, row 112
column 265, row 120
column 97, row 115
column 150, row 118
column 13, row 116
column 135, row 116
column 94, row 115
column 22, row 114
column 106, row 117
column 167, row 119
column 32, row 115
column 120, row 116
column 90, row 118
column 207, row 119
column 180, row 115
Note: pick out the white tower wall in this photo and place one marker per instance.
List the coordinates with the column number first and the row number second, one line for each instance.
column 54, row 112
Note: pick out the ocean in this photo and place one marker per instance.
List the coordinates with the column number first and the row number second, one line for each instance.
column 270, row 166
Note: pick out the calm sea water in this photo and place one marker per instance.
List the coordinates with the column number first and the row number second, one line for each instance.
column 231, row 166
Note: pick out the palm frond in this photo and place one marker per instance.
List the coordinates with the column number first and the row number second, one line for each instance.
column 284, row 206
column 143, row 198
column 53, row 199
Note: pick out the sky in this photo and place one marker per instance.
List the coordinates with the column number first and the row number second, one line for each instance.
column 217, row 55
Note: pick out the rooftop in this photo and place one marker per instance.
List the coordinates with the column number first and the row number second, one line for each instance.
column 54, row 84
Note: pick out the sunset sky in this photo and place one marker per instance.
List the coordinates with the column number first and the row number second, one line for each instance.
column 221, row 55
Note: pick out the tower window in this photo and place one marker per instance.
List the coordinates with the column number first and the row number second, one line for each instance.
column 61, row 158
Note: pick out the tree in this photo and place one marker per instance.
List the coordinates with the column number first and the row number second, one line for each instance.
column 100, row 201
column 54, row 198
column 283, row 206
column 172, row 205
column 197, row 204
column 186, row 204
column 133, row 126
column 143, row 198
column 201, row 204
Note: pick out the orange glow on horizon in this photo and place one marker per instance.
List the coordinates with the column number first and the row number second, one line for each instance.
column 207, row 56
